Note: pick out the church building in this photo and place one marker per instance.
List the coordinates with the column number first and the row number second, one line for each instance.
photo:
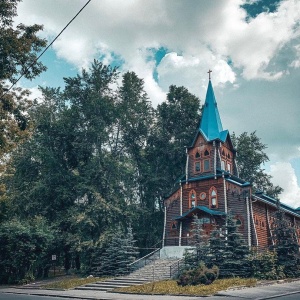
column 211, row 188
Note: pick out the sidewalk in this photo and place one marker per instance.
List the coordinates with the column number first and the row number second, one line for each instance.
column 257, row 293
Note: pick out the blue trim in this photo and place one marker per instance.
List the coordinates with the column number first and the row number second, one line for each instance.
column 204, row 209
column 238, row 183
column 269, row 199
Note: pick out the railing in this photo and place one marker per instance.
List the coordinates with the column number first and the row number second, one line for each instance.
column 143, row 261
column 174, row 241
column 176, row 267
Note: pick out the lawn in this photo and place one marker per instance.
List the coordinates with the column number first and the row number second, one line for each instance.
column 170, row 287
column 70, row 283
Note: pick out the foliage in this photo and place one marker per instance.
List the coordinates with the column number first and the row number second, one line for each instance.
column 199, row 275
column 118, row 254
column 170, row 287
column 199, row 242
column 264, row 265
column 70, row 283
column 285, row 245
column 225, row 249
column 236, row 252
column 20, row 46
column 251, row 156
column 24, row 248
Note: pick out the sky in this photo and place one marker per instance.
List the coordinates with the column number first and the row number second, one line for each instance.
column 251, row 46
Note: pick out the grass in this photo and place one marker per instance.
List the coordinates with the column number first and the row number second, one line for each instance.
column 170, row 287
column 72, row 283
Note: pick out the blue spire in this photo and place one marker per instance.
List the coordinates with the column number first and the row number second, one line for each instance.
column 211, row 125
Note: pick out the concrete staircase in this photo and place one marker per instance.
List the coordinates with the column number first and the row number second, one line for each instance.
column 157, row 270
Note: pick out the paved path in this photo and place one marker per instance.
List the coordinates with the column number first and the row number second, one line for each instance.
column 257, row 293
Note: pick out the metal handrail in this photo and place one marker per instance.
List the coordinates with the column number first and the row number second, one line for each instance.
column 175, row 267
column 141, row 262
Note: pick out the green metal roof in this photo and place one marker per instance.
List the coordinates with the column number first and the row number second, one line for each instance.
column 201, row 208
column 211, row 125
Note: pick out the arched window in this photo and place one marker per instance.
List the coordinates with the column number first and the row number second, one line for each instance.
column 213, row 197
column 206, row 153
column 197, row 155
column 174, row 226
column 223, row 165
column 192, row 199
column 223, row 153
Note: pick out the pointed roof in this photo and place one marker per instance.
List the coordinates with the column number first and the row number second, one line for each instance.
column 211, row 125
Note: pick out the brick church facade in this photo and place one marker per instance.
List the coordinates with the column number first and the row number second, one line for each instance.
column 211, row 188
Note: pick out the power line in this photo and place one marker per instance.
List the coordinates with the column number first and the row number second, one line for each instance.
column 27, row 69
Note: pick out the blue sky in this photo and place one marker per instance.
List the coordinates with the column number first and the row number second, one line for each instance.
column 252, row 47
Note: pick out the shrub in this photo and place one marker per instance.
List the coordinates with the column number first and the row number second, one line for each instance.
column 265, row 266
column 200, row 275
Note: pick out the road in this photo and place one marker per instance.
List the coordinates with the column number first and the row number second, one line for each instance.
column 28, row 297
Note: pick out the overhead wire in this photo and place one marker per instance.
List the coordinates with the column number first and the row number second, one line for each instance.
column 35, row 61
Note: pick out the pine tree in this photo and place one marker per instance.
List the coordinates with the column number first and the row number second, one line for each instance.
column 216, row 248
column 117, row 256
column 236, row 252
column 286, row 246
column 199, row 241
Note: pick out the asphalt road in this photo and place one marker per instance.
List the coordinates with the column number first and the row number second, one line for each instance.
column 28, row 297
column 289, row 297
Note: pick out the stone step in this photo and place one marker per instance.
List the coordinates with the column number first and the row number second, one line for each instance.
column 158, row 269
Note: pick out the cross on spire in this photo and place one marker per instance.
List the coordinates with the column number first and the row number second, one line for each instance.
column 209, row 71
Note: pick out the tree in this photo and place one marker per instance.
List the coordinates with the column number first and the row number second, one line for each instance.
column 18, row 53
column 24, row 249
column 176, row 121
column 285, row 245
column 117, row 256
column 200, row 242
column 251, row 156
column 236, row 252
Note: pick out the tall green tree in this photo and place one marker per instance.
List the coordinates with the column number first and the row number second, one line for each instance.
column 66, row 172
column 176, row 120
column 19, row 47
column 250, row 158
column 176, row 123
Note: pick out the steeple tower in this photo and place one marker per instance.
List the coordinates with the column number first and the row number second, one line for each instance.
column 212, row 151
column 211, row 125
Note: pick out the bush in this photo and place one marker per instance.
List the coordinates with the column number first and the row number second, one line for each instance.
column 265, row 266
column 23, row 248
column 200, row 275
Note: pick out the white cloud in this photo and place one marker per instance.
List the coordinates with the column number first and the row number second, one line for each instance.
column 284, row 176
column 197, row 32
column 198, row 35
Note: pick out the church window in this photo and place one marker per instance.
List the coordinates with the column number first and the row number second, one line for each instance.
column 192, row 199
column 204, row 221
column 223, row 165
column 223, row 153
column 202, row 196
column 174, row 226
column 206, row 165
column 197, row 167
column 206, row 153
column 213, row 199
column 197, row 155
column 229, row 167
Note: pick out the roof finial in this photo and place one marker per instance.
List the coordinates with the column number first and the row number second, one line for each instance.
column 209, row 71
